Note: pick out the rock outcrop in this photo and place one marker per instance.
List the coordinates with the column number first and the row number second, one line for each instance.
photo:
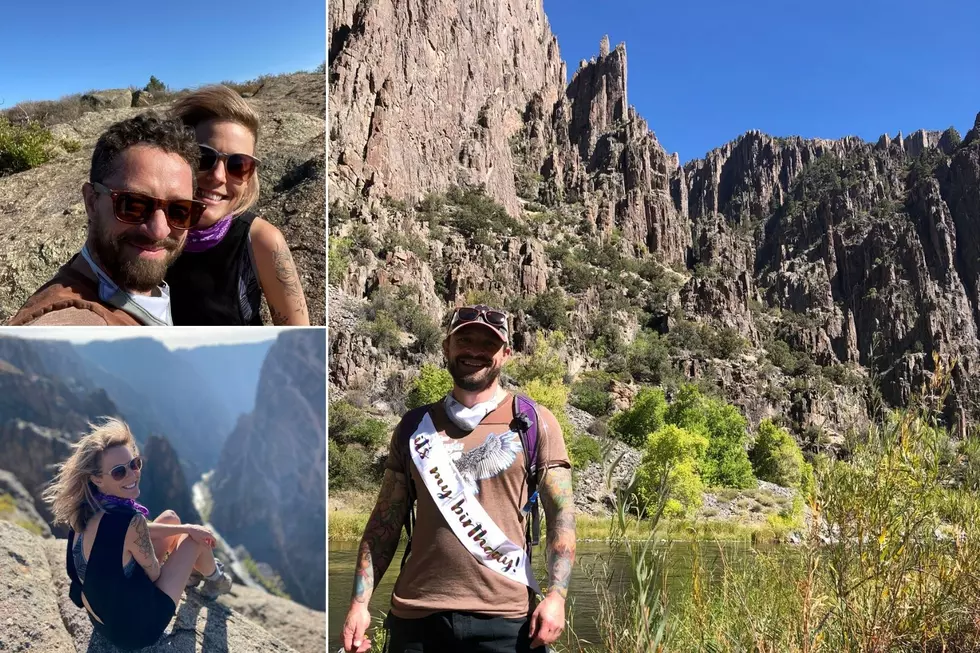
column 268, row 487
column 163, row 485
column 858, row 258
column 43, row 220
column 38, row 614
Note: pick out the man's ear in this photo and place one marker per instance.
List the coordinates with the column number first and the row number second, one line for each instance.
column 508, row 352
column 445, row 347
column 90, row 197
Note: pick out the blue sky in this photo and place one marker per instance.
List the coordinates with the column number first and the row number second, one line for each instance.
column 702, row 73
column 53, row 48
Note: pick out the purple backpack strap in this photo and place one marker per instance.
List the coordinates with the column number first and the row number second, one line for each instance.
column 526, row 414
column 406, row 429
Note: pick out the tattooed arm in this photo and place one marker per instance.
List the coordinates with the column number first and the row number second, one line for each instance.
column 555, row 487
column 278, row 275
column 559, row 511
column 377, row 549
column 138, row 543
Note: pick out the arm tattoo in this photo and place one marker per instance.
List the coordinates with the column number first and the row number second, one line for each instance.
column 143, row 542
column 559, row 510
column 381, row 536
column 288, row 278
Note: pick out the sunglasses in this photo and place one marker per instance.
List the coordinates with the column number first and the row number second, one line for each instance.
column 494, row 318
column 137, row 208
column 239, row 166
column 119, row 472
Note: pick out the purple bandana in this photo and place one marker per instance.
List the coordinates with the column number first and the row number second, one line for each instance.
column 200, row 240
column 108, row 500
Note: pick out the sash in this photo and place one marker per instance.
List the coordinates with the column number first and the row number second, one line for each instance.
column 468, row 520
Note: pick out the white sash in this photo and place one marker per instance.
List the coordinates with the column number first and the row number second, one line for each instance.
column 468, row 520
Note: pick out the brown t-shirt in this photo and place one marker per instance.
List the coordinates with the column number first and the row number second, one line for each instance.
column 440, row 574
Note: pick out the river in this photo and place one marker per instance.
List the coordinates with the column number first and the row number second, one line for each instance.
column 583, row 598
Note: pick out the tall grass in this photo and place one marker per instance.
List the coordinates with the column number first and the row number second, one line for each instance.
column 890, row 561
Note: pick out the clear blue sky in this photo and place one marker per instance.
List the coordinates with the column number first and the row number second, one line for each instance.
column 702, row 73
column 53, row 48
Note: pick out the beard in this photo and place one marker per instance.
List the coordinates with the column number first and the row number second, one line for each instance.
column 477, row 381
column 130, row 272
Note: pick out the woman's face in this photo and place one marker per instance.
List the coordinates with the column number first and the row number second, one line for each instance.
column 215, row 187
column 126, row 486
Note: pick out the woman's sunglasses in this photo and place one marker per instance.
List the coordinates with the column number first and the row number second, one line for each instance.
column 239, row 166
column 118, row 472
column 137, row 208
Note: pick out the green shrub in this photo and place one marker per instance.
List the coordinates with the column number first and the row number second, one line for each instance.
column 634, row 425
column 543, row 364
column 583, row 449
column 590, row 393
column 648, row 358
column 348, row 424
column 724, row 343
column 399, row 306
column 155, row 85
column 550, row 309
column 431, row 385
column 776, row 457
column 22, row 146
column 71, row 145
column 726, row 463
column 474, row 211
column 338, row 259
column 353, row 437
column 670, row 459
column 384, row 333
column 552, row 395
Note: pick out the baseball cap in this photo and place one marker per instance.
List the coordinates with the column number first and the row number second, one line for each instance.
column 483, row 315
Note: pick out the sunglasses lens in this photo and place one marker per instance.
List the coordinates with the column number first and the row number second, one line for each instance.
column 132, row 207
column 496, row 318
column 118, row 472
column 240, row 166
column 209, row 157
column 136, row 464
column 467, row 314
column 180, row 214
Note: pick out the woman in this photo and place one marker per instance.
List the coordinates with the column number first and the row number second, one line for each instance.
column 127, row 573
column 232, row 257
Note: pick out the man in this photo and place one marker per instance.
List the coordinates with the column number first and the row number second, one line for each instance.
column 140, row 203
column 465, row 585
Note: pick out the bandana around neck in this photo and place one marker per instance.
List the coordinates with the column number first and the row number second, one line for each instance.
column 200, row 240
column 109, row 501
column 469, row 418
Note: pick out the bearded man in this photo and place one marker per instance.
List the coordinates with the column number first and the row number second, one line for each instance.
column 140, row 203
column 474, row 463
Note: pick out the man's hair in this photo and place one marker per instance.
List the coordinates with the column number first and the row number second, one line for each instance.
column 218, row 102
column 149, row 129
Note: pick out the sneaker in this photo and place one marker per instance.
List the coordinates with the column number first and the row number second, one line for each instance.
column 195, row 579
column 214, row 588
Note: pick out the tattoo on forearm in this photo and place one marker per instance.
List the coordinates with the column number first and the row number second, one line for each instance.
column 381, row 536
column 559, row 509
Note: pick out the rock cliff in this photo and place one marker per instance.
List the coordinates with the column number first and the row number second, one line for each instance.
column 835, row 269
column 38, row 614
column 268, row 487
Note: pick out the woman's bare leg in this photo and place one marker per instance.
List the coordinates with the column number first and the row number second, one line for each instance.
column 188, row 555
column 164, row 545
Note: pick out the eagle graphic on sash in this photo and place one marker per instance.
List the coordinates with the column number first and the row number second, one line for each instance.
column 497, row 453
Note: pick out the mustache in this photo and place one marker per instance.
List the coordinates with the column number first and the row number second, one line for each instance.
column 169, row 243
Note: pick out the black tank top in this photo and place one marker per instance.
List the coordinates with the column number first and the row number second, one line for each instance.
column 217, row 286
column 134, row 611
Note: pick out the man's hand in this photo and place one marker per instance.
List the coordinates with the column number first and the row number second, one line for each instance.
column 355, row 627
column 548, row 620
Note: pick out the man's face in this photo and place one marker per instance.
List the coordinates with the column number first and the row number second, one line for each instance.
column 474, row 357
column 137, row 256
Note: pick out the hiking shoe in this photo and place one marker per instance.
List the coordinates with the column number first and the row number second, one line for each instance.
column 195, row 579
column 214, row 588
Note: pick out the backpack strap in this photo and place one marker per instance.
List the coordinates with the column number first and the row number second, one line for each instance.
column 409, row 424
column 526, row 421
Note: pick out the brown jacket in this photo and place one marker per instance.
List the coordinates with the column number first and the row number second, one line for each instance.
column 71, row 298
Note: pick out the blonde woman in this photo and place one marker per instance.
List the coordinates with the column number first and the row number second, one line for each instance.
column 126, row 572
column 232, row 257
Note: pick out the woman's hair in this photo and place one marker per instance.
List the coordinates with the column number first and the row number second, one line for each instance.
column 71, row 494
column 219, row 102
